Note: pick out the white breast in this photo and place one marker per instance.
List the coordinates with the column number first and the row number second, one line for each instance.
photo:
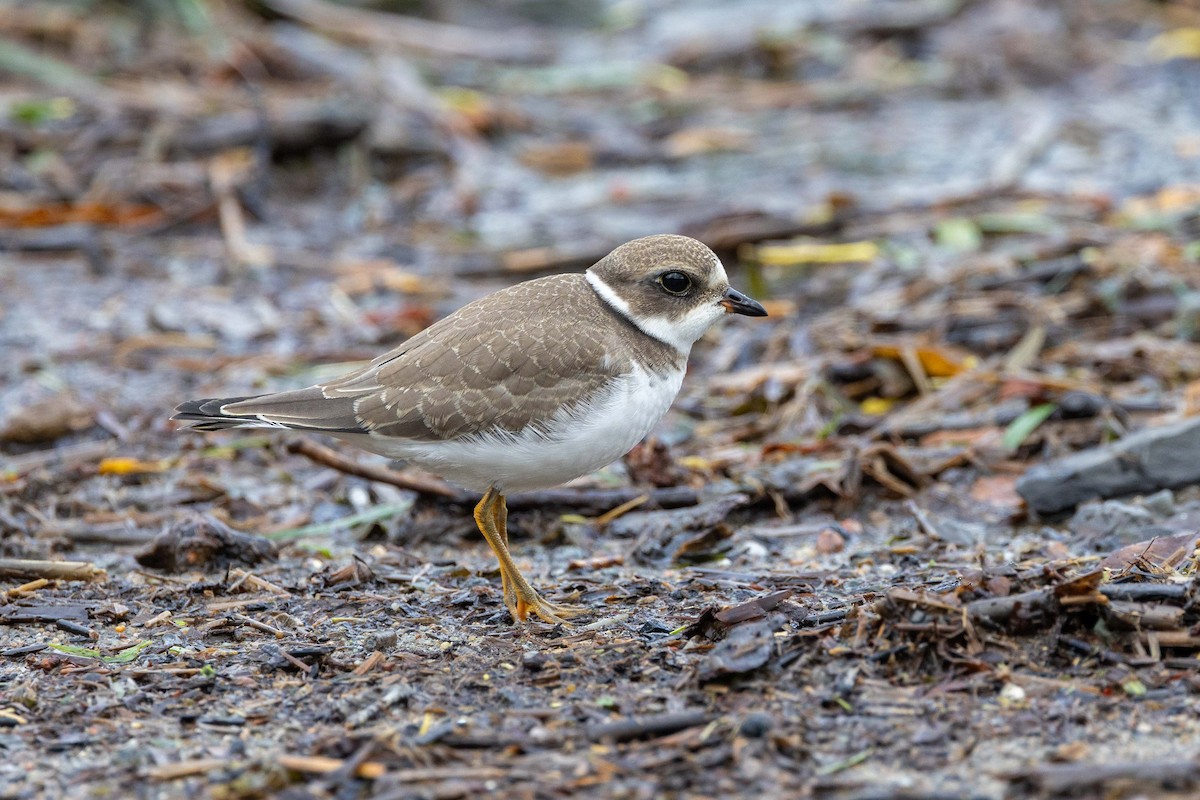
column 578, row 440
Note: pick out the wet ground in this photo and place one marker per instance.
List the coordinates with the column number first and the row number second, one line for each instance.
column 855, row 560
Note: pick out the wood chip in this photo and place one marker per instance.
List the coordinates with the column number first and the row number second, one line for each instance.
column 322, row 765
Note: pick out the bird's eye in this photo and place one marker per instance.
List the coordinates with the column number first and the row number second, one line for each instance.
column 675, row 282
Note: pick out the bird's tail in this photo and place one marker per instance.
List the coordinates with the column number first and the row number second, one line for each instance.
column 301, row 409
column 209, row 415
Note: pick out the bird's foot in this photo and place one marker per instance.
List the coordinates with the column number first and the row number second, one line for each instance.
column 524, row 600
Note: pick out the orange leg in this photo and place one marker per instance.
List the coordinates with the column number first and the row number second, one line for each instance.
column 491, row 515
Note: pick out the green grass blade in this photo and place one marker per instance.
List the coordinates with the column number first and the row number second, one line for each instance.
column 1020, row 428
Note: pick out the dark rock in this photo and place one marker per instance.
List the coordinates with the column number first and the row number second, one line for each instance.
column 204, row 542
column 756, row 725
column 678, row 534
column 747, row 647
column 1147, row 461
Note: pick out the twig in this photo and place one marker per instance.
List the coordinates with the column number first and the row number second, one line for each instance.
column 535, row 260
column 150, row 576
column 220, row 606
column 1104, row 654
column 255, row 582
column 294, row 126
column 423, row 35
column 31, row 586
column 16, row 59
column 1145, row 616
column 624, row 508
column 727, row 232
column 64, row 456
column 74, row 627
column 416, row 483
column 161, row 618
column 756, row 608
column 999, row 610
column 459, row 772
column 79, row 236
column 651, row 727
column 297, row 663
column 668, row 497
column 889, row 21
column 368, row 516
column 225, row 172
column 262, row 626
column 955, row 391
column 1037, row 134
column 1177, row 639
column 353, row 765
column 1073, row 779
column 601, row 624
column 916, row 370
column 52, row 570
column 923, row 520
column 111, row 533
column 185, row 769
column 1146, row 591
column 371, row 662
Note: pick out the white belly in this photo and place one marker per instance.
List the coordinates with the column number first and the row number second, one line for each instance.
column 577, row 441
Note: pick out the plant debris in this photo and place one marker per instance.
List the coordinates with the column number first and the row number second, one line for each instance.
column 203, row 542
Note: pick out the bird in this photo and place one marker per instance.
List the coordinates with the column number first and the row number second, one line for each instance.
column 526, row 388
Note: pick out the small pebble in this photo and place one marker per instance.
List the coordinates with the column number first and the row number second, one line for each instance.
column 533, row 660
column 1160, row 503
column 756, row 725
column 1012, row 696
column 1080, row 405
column 830, row 541
column 383, row 641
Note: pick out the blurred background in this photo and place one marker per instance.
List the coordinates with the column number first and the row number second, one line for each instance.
column 975, row 223
column 349, row 161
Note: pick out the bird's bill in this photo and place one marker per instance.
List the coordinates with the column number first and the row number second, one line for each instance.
column 737, row 303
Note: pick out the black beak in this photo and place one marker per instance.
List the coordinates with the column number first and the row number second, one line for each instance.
column 737, row 303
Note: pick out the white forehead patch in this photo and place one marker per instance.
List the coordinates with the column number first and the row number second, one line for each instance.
column 719, row 270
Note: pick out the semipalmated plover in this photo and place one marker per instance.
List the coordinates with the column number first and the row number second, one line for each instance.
column 524, row 389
